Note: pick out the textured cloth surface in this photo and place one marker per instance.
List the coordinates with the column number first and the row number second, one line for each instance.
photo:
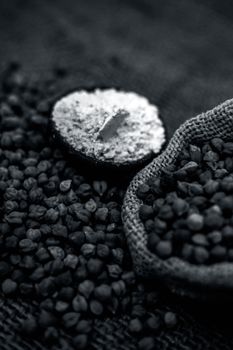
column 112, row 334
column 214, row 123
column 176, row 53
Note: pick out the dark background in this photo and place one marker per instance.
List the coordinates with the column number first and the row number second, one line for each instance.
column 179, row 54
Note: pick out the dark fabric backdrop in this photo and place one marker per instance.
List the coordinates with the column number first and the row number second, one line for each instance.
column 177, row 53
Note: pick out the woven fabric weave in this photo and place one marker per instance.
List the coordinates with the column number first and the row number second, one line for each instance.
column 182, row 276
column 112, row 333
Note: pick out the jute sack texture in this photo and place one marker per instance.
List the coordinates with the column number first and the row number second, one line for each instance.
column 180, row 276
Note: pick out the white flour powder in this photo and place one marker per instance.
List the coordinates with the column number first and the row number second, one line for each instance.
column 109, row 125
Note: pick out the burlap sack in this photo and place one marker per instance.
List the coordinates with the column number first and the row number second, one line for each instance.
column 180, row 276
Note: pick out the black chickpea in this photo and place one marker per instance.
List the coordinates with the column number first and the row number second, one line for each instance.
column 62, row 243
column 194, row 217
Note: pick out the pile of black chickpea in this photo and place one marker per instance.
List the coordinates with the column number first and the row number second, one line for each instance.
column 62, row 243
column 188, row 212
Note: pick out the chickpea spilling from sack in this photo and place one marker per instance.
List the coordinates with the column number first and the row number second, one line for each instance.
column 63, row 248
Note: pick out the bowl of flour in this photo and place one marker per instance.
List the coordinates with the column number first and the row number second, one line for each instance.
column 109, row 127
